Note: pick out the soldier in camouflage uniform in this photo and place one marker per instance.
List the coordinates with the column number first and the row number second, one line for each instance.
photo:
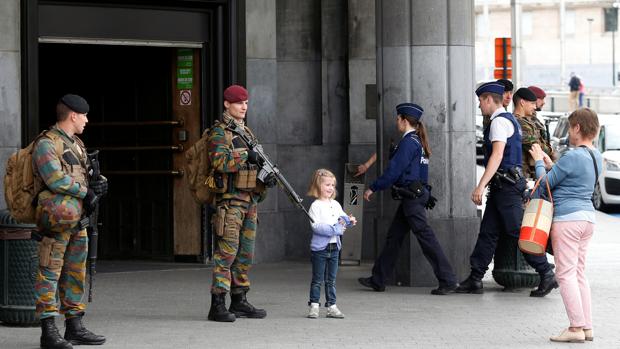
column 236, row 211
column 60, row 162
column 533, row 131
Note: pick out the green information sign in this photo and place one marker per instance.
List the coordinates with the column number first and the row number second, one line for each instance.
column 185, row 69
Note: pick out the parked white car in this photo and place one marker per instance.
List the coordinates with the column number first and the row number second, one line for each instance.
column 607, row 190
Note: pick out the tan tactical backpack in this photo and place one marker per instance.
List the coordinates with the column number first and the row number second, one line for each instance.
column 199, row 173
column 22, row 184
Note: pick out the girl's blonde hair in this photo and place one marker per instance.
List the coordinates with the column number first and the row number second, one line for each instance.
column 315, row 185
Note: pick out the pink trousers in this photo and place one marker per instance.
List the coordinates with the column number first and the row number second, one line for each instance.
column 570, row 245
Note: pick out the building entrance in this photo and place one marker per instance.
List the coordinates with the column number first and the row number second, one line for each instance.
column 143, row 113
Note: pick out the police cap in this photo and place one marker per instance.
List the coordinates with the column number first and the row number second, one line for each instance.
column 508, row 86
column 75, row 103
column 490, row 87
column 410, row 109
column 526, row 94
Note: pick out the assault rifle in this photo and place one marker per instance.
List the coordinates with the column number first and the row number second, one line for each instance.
column 93, row 229
column 268, row 168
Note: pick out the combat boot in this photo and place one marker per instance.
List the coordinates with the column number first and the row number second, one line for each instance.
column 470, row 285
column 76, row 333
column 50, row 337
column 546, row 285
column 241, row 308
column 218, row 310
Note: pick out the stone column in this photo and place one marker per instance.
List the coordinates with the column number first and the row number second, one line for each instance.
column 262, row 84
column 362, row 102
column 425, row 54
column 10, row 95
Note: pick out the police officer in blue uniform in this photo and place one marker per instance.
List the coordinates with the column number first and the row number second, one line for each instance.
column 407, row 176
column 504, row 207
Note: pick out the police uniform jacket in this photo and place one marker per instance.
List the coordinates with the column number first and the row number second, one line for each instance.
column 408, row 163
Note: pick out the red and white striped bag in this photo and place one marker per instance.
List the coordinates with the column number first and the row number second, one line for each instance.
column 536, row 223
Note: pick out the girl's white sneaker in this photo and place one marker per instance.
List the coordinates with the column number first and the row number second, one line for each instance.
column 313, row 312
column 333, row 311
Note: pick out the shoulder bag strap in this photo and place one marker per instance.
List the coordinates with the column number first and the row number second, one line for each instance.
column 594, row 160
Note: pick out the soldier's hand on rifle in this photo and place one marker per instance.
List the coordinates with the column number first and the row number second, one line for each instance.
column 270, row 180
column 253, row 158
column 89, row 203
column 100, row 187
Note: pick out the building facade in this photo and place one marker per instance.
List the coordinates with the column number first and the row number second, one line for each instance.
column 589, row 44
column 323, row 77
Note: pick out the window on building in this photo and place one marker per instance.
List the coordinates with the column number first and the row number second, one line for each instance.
column 569, row 22
column 480, row 26
column 526, row 23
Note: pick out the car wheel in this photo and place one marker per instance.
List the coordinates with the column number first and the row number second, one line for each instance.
column 599, row 204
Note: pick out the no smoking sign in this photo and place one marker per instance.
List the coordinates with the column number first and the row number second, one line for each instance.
column 186, row 97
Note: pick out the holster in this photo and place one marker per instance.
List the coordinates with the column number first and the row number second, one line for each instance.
column 218, row 220
column 412, row 191
column 511, row 176
column 51, row 253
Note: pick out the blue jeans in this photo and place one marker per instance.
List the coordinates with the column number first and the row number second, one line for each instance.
column 324, row 269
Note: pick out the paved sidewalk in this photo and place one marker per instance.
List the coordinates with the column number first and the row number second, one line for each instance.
column 156, row 305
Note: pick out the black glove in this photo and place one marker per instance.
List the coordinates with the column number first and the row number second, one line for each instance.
column 100, row 187
column 430, row 204
column 270, row 180
column 238, row 143
column 253, row 158
column 89, row 202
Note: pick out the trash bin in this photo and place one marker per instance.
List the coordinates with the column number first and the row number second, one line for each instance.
column 18, row 272
column 510, row 268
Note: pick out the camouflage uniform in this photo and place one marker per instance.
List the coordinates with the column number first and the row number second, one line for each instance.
column 234, row 250
column 63, row 251
column 533, row 132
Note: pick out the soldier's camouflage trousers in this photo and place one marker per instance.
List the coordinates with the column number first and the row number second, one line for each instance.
column 62, row 267
column 234, row 249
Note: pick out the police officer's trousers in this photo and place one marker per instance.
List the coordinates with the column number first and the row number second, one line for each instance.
column 411, row 216
column 234, row 250
column 503, row 214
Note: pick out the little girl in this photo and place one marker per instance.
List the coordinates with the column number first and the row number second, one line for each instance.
column 330, row 222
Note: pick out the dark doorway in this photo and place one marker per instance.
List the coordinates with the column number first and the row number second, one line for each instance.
column 129, row 92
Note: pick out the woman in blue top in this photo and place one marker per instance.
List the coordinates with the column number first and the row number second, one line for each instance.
column 407, row 176
column 572, row 182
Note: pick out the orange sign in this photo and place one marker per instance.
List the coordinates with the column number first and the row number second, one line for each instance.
column 500, row 73
column 503, row 58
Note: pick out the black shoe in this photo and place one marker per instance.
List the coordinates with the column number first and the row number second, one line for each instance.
column 546, row 285
column 444, row 290
column 470, row 285
column 76, row 333
column 367, row 282
column 50, row 337
column 240, row 306
column 218, row 310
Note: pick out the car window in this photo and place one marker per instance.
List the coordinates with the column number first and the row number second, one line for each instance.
column 561, row 129
column 552, row 126
column 601, row 140
column 612, row 137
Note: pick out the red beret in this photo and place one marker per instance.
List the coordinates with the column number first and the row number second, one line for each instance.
column 235, row 93
column 538, row 92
